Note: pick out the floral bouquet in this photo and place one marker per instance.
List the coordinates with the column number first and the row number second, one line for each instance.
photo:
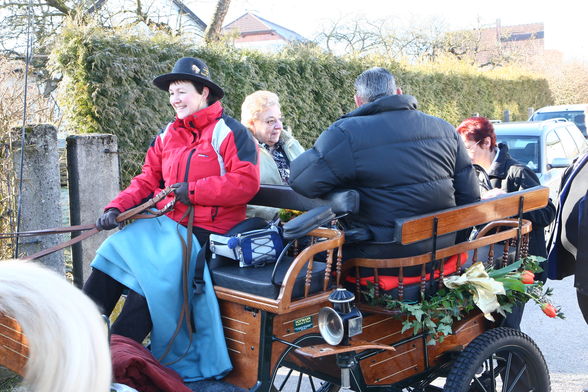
column 286, row 215
column 490, row 290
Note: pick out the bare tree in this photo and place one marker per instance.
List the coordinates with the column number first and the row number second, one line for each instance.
column 40, row 19
column 213, row 31
column 362, row 36
column 420, row 40
column 355, row 37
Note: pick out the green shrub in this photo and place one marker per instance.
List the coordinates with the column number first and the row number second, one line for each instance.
column 107, row 86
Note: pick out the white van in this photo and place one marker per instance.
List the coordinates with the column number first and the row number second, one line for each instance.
column 575, row 113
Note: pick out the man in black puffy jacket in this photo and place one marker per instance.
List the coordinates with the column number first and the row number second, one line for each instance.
column 402, row 162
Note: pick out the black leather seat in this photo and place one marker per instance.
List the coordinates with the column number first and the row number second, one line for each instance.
column 258, row 281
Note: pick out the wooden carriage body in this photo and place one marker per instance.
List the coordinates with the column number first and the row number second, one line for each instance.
column 279, row 328
column 261, row 332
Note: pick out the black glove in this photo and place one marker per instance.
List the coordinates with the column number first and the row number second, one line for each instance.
column 181, row 191
column 107, row 221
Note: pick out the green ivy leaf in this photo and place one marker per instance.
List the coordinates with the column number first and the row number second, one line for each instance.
column 447, row 319
column 406, row 325
column 417, row 313
column 430, row 324
column 445, row 329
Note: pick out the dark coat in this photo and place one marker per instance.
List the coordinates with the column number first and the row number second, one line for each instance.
column 568, row 247
column 510, row 175
column 401, row 161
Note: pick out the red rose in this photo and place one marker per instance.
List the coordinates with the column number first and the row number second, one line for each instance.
column 527, row 277
column 549, row 310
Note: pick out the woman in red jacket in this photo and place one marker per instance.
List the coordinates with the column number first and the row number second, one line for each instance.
column 211, row 161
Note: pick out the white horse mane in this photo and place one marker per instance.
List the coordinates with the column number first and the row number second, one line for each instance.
column 68, row 340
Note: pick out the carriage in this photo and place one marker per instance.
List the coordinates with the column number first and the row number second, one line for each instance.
column 306, row 323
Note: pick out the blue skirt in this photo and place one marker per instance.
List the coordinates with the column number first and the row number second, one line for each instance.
column 146, row 256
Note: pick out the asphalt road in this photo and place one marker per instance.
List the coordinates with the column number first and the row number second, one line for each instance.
column 564, row 343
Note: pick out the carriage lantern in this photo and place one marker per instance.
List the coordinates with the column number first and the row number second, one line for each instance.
column 342, row 321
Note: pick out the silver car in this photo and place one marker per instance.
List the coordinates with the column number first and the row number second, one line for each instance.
column 574, row 113
column 547, row 147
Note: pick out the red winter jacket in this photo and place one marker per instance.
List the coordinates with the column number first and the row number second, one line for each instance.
column 215, row 154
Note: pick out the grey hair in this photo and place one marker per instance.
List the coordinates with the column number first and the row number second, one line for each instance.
column 375, row 83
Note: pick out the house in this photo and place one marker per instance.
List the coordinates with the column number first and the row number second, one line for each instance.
column 255, row 32
column 157, row 13
column 525, row 40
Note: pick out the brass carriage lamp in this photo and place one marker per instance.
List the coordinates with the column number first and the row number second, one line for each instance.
column 342, row 321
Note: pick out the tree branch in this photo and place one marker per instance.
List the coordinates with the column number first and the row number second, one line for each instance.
column 61, row 6
column 213, row 31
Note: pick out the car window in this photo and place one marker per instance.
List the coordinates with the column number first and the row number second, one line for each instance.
column 553, row 147
column 567, row 142
column 580, row 121
column 524, row 149
column 574, row 116
column 568, row 115
column 578, row 138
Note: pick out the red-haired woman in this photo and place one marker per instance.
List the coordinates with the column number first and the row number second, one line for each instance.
column 499, row 173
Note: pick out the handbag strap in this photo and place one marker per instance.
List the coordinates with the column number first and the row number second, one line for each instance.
column 198, row 282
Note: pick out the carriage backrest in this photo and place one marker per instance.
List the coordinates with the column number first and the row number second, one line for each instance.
column 418, row 228
column 434, row 263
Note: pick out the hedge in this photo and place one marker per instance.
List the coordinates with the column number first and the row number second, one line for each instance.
column 107, row 87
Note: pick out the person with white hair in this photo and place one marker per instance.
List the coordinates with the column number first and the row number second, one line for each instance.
column 261, row 114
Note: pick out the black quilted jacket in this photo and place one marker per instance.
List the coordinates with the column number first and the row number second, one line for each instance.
column 403, row 163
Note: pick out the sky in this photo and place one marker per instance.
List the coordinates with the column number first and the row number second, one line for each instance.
column 565, row 20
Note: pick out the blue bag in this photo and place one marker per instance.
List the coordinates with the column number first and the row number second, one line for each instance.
column 252, row 248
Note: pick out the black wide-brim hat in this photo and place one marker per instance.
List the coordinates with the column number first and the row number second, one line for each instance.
column 192, row 69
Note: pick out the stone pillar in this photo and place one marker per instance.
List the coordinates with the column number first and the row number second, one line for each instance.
column 506, row 116
column 93, row 182
column 530, row 112
column 40, row 198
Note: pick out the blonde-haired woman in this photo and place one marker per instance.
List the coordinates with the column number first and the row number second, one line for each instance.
column 261, row 114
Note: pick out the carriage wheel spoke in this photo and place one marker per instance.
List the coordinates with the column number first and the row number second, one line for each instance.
column 285, row 380
column 487, row 369
column 507, row 372
column 493, row 368
column 480, row 384
column 517, row 378
column 310, row 379
column 300, row 375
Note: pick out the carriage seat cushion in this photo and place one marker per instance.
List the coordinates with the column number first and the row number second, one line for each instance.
column 258, row 281
column 390, row 282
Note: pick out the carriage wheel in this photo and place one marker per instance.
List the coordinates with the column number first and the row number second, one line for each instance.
column 501, row 359
column 288, row 377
